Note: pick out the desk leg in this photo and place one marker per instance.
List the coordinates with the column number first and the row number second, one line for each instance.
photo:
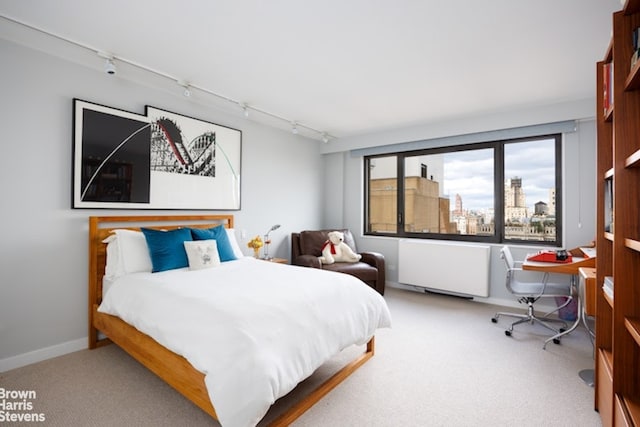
column 592, row 334
column 578, row 316
column 587, row 375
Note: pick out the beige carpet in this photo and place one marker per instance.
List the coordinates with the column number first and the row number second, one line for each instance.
column 442, row 364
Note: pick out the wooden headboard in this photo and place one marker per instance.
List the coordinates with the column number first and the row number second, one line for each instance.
column 101, row 226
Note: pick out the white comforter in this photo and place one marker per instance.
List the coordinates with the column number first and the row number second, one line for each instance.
column 254, row 328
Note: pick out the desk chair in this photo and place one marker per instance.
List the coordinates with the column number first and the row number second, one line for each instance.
column 530, row 292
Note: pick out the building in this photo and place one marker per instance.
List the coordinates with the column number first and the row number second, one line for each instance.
column 515, row 201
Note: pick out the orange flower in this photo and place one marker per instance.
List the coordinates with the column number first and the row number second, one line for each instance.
column 255, row 243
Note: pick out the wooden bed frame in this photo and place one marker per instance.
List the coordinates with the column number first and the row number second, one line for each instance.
column 171, row 367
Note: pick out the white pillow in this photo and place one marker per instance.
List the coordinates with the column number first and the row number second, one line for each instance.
column 127, row 252
column 113, row 267
column 234, row 243
column 202, row 254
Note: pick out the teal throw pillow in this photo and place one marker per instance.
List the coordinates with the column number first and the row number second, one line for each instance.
column 167, row 248
column 219, row 234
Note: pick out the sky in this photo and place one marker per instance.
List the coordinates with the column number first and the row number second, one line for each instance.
column 470, row 173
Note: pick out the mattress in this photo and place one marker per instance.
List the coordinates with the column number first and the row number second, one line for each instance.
column 255, row 329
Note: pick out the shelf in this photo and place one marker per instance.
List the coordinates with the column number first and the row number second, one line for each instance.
column 633, row 80
column 632, row 244
column 608, row 115
column 633, row 326
column 608, row 174
column 608, row 299
column 608, row 236
column 633, row 161
column 608, row 357
column 633, row 407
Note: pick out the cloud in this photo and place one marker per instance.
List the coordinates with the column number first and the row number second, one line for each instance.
column 471, row 173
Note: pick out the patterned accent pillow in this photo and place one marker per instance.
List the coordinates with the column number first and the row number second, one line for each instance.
column 218, row 234
column 202, row 254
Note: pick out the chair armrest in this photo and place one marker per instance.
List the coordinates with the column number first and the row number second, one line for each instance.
column 307, row 261
column 374, row 259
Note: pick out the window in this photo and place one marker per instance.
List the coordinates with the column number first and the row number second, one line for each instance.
column 500, row 191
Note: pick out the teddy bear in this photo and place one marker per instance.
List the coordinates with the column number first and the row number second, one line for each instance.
column 336, row 250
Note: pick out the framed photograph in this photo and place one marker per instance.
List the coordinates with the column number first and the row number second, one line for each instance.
column 159, row 160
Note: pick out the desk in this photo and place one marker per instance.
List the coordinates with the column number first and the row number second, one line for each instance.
column 571, row 268
column 562, row 268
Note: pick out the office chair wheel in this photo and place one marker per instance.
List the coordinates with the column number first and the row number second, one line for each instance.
column 507, row 333
column 494, row 320
column 562, row 329
column 556, row 341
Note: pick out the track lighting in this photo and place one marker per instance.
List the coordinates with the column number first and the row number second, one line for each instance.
column 245, row 109
column 187, row 88
column 110, row 67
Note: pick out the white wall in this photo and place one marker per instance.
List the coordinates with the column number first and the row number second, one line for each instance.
column 43, row 250
column 578, row 177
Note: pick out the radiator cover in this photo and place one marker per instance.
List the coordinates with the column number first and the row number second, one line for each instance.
column 447, row 267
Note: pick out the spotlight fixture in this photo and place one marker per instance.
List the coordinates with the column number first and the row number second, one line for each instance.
column 294, row 128
column 325, row 137
column 187, row 88
column 110, row 67
column 245, row 109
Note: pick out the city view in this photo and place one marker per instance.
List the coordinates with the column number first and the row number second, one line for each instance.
column 453, row 193
column 521, row 222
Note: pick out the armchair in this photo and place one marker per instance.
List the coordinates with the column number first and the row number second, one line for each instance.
column 306, row 247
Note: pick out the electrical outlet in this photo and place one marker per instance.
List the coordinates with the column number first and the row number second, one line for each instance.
column 391, row 267
column 243, row 234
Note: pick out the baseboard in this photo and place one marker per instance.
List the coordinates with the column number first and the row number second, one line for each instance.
column 35, row 356
column 540, row 307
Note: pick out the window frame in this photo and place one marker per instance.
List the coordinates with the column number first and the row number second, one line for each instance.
column 499, row 182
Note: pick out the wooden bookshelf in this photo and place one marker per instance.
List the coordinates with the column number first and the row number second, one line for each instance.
column 633, row 326
column 617, row 388
column 608, row 174
column 632, row 244
column 633, row 161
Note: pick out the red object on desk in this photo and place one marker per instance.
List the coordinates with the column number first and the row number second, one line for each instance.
column 549, row 256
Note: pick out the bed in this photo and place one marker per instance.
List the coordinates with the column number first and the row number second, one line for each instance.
column 129, row 314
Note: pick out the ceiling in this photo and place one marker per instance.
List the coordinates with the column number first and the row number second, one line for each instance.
column 350, row 67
